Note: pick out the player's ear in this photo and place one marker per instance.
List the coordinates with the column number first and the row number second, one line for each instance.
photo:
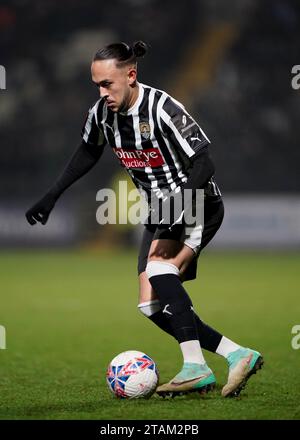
column 131, row 74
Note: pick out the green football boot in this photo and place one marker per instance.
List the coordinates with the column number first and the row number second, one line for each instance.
column 242, row 364
column 192, row 378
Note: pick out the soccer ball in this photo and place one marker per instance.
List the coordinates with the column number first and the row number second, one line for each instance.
column 132, row 374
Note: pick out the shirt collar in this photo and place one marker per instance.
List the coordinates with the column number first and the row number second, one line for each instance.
column 133, row 109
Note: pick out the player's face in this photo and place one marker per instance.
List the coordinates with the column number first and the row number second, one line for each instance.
column 115, row 84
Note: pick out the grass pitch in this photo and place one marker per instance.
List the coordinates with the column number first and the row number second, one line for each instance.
column 67, row 314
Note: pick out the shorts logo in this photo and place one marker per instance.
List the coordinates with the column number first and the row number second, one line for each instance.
column 145, row 130
column 150, row 157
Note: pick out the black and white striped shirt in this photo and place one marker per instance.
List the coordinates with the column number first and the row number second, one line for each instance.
column 154, row 140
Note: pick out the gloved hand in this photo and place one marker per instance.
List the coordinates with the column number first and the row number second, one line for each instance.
column 41, row 210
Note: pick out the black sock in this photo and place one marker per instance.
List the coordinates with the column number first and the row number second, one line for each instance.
column 176, row 306
column 209, row 338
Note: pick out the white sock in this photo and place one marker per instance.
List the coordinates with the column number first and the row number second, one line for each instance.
column 226, row 346
column 148, row 308
column 191, row 352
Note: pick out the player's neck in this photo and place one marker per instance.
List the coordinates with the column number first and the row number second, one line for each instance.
column 134, row 96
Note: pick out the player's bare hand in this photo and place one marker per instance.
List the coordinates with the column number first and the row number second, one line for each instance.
column 41, row 210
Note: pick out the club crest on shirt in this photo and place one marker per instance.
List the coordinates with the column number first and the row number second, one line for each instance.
column 145, row 130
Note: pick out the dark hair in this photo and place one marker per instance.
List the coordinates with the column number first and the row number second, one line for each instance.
column 122, row 52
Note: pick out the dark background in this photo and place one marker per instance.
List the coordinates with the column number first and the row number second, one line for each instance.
column 228, row 62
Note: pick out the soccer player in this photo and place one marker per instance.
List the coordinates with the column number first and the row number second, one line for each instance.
column 166, row 153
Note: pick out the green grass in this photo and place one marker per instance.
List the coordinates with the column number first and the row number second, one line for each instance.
column 67, row 314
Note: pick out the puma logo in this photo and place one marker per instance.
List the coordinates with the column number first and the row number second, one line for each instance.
column 166, row 311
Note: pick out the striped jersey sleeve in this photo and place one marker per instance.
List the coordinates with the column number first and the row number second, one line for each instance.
column 182, row 130
column 92, row 132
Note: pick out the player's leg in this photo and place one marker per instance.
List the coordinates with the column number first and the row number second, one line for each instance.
column 149, row 303
column 166, row 259
column 242, row 362
column 213, row 218
column 150, row 306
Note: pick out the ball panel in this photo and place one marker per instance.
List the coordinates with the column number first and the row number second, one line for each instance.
column 132, row 374
column 142, row 385
column 126, row 356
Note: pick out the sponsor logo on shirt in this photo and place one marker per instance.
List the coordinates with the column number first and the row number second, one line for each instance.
column 150, row 157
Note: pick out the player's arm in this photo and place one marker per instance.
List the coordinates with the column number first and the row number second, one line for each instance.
column 183, row 132
column 201, row 170
column 83, row 159
column 190, row 143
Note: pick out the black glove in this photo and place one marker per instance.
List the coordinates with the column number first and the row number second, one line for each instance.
column 41, row 210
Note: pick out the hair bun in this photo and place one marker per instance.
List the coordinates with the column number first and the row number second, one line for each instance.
column 139, row 48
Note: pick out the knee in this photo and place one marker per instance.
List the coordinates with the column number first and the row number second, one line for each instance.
column 157, row 267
